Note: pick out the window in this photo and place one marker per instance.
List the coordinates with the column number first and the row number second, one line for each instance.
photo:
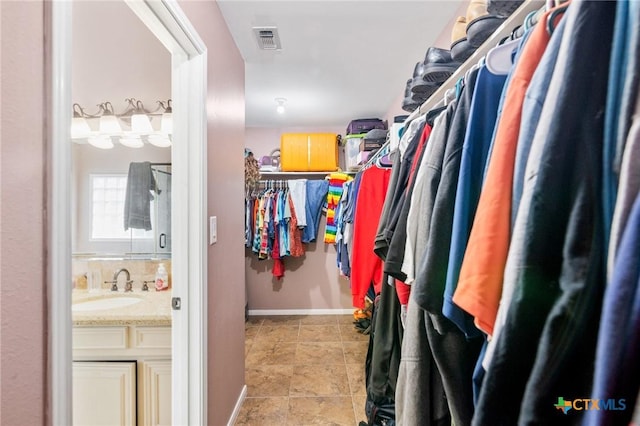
column 107, row 209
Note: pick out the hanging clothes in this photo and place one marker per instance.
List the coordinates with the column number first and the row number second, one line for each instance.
column 295, row 234
column 393, row 204
column 475, row 150
column 427, row 179
column 298, row 191
column 316, row 199
column 617, row 367
column 366, row 267
column 534, row 99
column 273, row 226
column 336, row 181
column 397, row 234
column 480, row 277
column 342, row 250
column 506, row 233
column 546, row 347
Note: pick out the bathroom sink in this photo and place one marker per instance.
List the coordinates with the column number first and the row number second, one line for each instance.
column 105, row 303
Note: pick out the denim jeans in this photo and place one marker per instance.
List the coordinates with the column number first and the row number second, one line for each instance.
column 316, row 198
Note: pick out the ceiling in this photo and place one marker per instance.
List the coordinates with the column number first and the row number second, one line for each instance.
column 339, row 60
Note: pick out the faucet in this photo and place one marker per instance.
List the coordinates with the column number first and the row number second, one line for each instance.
column 114, row 283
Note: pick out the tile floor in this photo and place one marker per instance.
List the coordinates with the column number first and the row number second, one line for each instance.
column 304, row 370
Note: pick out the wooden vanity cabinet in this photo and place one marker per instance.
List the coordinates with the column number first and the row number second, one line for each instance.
column 121, row 375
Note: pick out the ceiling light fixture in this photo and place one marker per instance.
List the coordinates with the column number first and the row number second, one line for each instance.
column 280, row 108
column 135, row 117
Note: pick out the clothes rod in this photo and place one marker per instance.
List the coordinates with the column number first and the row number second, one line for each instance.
column 504, row 30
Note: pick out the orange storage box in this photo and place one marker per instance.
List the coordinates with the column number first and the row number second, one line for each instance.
column 308, row 152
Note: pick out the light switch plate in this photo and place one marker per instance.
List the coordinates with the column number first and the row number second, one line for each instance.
column 213, row 230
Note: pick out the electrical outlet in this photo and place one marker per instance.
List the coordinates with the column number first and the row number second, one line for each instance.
column 213, row 230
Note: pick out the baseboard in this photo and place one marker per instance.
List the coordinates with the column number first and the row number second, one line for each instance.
column 236, row 409
column 300, row 311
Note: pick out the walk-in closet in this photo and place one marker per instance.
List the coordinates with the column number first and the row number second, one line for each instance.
column 470, row 250
column 320, row 212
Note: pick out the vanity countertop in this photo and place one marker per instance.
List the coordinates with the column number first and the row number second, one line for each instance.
column 154, row 309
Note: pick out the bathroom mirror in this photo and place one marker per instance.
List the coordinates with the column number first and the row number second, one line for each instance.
column 128, row 64
column 100, row 179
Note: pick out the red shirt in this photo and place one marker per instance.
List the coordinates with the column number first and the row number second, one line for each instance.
column 366, row 267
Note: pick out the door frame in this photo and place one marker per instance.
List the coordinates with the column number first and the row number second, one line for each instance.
column 168, row 22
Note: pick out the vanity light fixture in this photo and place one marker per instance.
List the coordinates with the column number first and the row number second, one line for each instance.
column 166, row 123
column 280, row 108
column 101, row 141
column 109, row 124
column 131, row 141
column 159, row 140
column 79, row 126
column 140, row 122
column 135, row 117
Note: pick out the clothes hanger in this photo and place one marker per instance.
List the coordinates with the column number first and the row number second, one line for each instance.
column 555, row 13
column 529, row 21
column 383, row 161
column 449, row 96
column 499, row 60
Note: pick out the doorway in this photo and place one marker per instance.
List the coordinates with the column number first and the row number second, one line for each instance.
column 188, row 62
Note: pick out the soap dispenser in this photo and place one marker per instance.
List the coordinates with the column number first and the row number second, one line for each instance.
column 162, row 278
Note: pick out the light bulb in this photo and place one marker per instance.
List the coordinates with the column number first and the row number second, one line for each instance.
column 141, row 124
column 280, row 108
column 109, row 125
column 166, row 124
column 160, row 140
column 131, row 141
column 79, row 128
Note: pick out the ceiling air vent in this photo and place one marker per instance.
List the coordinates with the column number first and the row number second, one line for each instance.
column 268, row 38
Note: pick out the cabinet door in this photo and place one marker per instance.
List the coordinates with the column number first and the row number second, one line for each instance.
column 154, row 393
column 104, row 393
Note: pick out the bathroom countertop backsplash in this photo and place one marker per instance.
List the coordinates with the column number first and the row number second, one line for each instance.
column 154, row 309
column 139, row 270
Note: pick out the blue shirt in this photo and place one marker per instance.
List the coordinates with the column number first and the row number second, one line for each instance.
column 482, row 119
